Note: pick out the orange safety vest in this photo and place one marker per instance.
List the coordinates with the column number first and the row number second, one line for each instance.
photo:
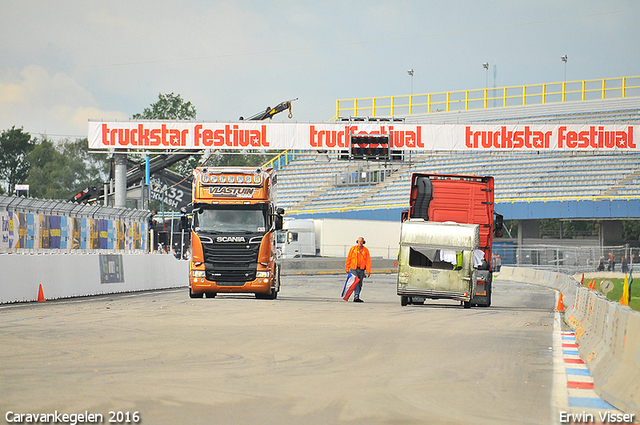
column 358, row 258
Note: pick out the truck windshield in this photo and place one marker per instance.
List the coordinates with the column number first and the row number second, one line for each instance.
column 231, row 220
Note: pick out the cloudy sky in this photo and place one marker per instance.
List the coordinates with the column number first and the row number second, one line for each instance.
column 64, row 62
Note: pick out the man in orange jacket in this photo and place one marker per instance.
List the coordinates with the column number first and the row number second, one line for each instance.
column 359, row 264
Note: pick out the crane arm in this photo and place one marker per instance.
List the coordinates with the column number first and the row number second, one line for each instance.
column 270, row 112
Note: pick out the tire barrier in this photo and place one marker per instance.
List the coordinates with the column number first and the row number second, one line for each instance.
column 607, row 333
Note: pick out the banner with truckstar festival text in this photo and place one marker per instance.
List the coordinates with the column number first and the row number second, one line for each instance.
column 149, row 135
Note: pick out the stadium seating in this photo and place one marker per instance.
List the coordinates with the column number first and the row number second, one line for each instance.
column 304, row 184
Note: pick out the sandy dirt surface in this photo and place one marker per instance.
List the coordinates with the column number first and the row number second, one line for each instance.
column 306, row 358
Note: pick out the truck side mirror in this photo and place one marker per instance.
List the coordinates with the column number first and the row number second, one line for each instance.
column 184, row 223
column 278, row 218
column 278, row 222
column 497, row 225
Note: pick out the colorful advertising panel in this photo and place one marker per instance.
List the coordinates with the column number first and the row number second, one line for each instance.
column 55, row 232
column 9, row 231
column 84, row 233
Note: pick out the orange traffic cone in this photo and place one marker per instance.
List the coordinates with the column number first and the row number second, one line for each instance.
column 560, row 306
column 592, row 285
column 41, row 295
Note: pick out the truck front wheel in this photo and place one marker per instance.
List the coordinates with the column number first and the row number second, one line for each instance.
column 192, row 295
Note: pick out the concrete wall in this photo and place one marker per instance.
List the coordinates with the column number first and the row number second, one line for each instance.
column 608, row 335
column 334, row 237
column 73, row 275
column 321, row 265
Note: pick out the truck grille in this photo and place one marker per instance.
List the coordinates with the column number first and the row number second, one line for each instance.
column 234, row 263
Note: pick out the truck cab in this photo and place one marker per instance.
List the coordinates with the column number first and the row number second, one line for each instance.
column 446, row 238
column 296, row 239
column 233, row 226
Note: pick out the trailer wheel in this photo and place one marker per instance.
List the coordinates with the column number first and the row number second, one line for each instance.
column 404, row 300
column 488, row 304
column 467, row 304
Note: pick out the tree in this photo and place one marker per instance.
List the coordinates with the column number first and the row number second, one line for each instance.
column 631, row 230
column 15, row 146
column 58, row 171
column 168, row 107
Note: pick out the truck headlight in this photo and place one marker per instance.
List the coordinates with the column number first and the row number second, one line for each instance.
column 198, row 273
column 403, row 277
column 262, row 274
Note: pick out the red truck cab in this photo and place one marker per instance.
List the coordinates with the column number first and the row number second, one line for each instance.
column 465, row 200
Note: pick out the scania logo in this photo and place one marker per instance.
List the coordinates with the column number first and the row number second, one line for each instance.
column 230, row 239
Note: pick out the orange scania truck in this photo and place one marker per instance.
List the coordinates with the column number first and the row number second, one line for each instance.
column 233, row 221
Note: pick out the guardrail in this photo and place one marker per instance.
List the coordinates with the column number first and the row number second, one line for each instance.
column 608, row 335
column 496, row 97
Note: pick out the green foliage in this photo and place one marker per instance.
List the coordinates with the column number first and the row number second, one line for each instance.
column 631, row 230
column 15, row 146
column 171, row 107
column 168, row 107
column 551, row 227
column 510, row 229
column 239, row 158
column 58, row 171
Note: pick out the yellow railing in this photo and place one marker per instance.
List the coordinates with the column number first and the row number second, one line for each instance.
column 282, row 159
column 496, row 97
column 497, row 201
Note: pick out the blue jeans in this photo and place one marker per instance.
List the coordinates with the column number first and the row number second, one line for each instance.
column 359, row 273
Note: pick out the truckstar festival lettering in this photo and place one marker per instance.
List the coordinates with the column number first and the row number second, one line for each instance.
column 340, row 138
column 230, row 136
column 594, row 138
column 142, row 136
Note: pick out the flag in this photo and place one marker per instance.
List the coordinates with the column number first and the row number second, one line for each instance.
column 625, row 291
column 629, row 286
column 349, row 286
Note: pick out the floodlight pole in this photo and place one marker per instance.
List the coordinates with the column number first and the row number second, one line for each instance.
column 486, row 78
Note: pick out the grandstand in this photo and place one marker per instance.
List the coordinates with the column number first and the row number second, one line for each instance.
column 310, row 187
column 306, row 186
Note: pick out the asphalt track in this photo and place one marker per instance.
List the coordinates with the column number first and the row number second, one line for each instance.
column 306, row 358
